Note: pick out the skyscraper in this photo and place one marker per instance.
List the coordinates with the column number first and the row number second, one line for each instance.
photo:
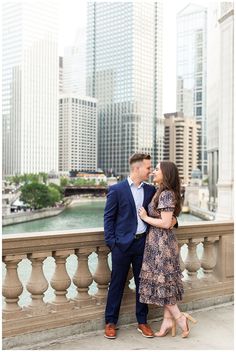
column 181, row 143
column 124, row 72
column 77, row 133
column 191, row 71
column 220, row 73
column 74, row 66
column 30, row 87
column 225, row 185
column 60, row 74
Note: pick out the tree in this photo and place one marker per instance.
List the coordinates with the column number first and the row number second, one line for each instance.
column 9, row 179
column 58, row 188
column 55, row 195
column 83, row 182
column 33, row 178
column 24, row 178
column 16, row 179
column 103, row 183
column 64, row 181
column 36, row 195
column 44, row 176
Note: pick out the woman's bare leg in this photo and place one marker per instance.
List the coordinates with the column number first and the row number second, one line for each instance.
column 176, row 313
column 166, row 322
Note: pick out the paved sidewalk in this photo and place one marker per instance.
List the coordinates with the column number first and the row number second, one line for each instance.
column 214, row 331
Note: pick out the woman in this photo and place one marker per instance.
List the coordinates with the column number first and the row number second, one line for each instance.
column 160, row 276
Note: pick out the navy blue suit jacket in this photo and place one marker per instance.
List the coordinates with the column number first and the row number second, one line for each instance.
column 120, row 216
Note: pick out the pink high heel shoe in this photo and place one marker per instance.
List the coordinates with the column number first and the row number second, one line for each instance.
column 167, row 330
column 185, row 333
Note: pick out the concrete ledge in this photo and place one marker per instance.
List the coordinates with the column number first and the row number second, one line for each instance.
column 17, row 218
column 36, row 340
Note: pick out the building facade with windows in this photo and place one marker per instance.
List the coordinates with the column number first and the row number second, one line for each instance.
column 60, row 74
column 220, row 105
column 77, row 133
column 192, row 72
column 181, row 143
column 30, row 87
column 124, row 72
column 74, row 70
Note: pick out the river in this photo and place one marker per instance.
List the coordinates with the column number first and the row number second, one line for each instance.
column 83, row 215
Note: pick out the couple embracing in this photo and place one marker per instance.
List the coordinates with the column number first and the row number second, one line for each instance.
column 138, row 222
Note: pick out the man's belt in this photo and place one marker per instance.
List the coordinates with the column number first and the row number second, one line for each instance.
column 139, row 235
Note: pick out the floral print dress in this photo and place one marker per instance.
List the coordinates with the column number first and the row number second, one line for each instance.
column 160, row 276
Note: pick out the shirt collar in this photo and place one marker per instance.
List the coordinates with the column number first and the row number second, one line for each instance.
column 131, row 182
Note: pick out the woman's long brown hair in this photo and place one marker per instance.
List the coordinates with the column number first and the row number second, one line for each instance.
column 171, row 182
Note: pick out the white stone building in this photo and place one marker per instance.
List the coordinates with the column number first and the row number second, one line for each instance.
column 77, row 133
column 30, row 87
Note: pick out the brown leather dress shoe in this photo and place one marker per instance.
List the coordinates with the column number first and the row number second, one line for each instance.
column 145, row 330
column 110, row 331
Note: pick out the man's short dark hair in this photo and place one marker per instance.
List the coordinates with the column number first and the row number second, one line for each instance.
column 139, row 157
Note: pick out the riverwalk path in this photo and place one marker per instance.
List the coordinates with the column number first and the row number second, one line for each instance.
column 213, row 331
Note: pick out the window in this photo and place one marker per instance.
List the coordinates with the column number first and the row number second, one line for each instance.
column 199, row 111
column 199, row 82
column 199, row 67
column 199, row 96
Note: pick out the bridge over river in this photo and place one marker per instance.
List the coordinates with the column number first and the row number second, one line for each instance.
column 85, row 190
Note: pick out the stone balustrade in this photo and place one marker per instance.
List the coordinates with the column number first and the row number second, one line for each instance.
column 206, row 276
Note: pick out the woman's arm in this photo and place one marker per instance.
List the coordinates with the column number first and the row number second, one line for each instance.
column 165, row 222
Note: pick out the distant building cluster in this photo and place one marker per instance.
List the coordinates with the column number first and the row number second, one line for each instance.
column 59, row 116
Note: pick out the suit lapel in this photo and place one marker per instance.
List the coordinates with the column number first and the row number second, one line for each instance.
column 146, row 194
column 130, row 196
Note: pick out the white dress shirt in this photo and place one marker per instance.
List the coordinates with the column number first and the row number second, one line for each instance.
column 138, row 195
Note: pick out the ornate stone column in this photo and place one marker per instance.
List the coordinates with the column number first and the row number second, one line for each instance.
column 37, row 284
column 192, row 263
column 182, row 265
column 12, row 287
column 61, row 281
column 102, row 275
column 208, row 260
column 181, row 262
column 83, row 278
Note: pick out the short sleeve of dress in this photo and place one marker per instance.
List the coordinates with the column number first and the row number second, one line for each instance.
column 166, row 201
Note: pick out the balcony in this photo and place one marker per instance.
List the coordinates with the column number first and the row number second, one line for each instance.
column 208, row 282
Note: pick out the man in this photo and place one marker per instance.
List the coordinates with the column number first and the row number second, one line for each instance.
column 125, row 235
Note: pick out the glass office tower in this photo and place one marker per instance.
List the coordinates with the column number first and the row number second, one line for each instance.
column 124, row 72
column 30, row 87
column 191, row 71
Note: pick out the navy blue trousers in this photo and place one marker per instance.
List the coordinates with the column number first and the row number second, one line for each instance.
column 120, row 266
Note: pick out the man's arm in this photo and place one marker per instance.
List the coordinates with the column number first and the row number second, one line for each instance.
column 110, row 213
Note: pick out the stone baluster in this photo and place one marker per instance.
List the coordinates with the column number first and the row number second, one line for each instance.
column 83, row 278
column 181, row 262
column 192, row 263
column 128, row 292
column 208, row 260
column 12, row 288
column 61, row 281
column 102, row 275
column 37, row 284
